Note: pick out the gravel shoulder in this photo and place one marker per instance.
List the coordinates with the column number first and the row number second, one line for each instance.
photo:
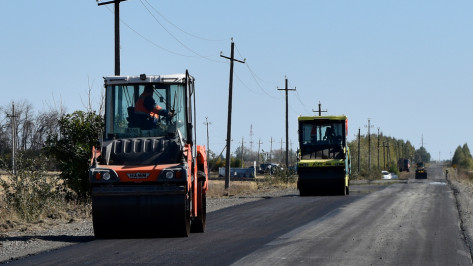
column 37, row 238
column 464, row 198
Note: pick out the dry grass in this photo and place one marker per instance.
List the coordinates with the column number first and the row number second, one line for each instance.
column 239, row 188
column 461, row 176
column 217, row 188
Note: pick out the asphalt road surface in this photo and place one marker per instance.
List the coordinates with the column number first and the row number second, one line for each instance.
column 414, row 222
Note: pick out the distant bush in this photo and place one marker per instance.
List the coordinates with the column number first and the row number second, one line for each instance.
column 280, row 178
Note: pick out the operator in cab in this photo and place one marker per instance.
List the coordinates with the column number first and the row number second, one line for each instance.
column 147, row 105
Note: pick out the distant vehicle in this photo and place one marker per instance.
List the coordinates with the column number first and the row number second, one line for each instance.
column 403, row 164
column 238, row 172
column 323, row 165
column 386, row 175
column 421, row 172
column 270, row 168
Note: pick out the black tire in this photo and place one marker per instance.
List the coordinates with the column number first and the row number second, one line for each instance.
column 186, row 226
column 198, row 223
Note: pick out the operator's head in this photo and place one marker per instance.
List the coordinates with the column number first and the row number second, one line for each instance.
column 148, row 88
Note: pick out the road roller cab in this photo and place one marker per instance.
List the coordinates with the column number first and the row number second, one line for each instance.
column 147, row 176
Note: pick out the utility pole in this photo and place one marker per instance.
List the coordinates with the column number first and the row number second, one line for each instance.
column 386, row 152
column 117, row 32
column 359, row 140
column 13, row 117
column 287, row 125
column 378, row 149
column 320, row 110
column 207, row 123
column 229, row 121
column 251, row 137
column 259, row 146
column 242, row 141
column 369, row 126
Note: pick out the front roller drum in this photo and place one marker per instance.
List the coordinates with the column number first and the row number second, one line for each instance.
column 125, row 215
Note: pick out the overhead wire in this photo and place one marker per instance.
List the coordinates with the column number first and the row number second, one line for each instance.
column 246, row 86
column 148, row 40
column 177, row 27
column 176, row 39
column 254, row 76
column 303, row 105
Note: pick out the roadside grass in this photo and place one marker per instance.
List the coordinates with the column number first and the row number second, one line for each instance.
column 35, row 197
column 462, row 176
column 242, row 187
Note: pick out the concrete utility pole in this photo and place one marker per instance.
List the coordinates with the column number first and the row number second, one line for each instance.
column 13, row 117
column 378, row 149
column 207, row 123
column 369, row 126
column 259, row 146
column 229, row 121
column 359, row 140
column 386, row 152
column 320, row 110
column 117, row 32
column 287, row 125
column 242, row 141
column 251, row 137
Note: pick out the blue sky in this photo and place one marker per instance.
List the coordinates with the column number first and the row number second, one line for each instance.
column 406, row 65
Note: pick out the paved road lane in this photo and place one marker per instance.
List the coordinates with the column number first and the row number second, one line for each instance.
column 405, row 224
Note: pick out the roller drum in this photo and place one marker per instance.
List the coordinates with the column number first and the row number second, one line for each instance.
column 122, row 212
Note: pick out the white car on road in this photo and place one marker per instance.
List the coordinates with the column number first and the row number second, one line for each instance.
column 386, row 175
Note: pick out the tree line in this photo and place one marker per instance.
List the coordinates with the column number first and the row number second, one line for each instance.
column 462, row 158
column 27, row 131
column 374, row 153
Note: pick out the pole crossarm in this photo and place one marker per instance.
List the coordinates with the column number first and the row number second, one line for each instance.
column 109, row 2
column 233, row 59
column 320, row 111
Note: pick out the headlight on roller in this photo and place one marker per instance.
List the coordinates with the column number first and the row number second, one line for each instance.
column 106, row 176
column 98, row 175
column 169, row 175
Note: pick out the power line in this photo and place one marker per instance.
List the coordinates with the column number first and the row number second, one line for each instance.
column 148, row 40
column 175, row 38
column 177, row 27
column 256, row 77
column 303, row 105
column 246, row 86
